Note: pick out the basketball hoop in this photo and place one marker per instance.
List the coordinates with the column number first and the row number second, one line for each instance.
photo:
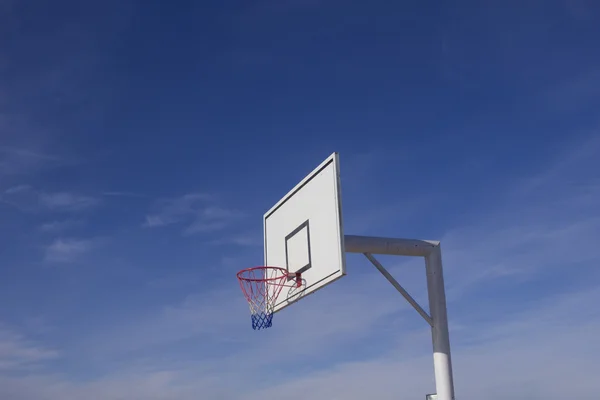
column 261, row 287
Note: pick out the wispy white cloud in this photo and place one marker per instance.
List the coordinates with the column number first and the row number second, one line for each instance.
column 122, row 194
column 17, row 189
column 242, row 239
column 211, row 219
column 64, row 201
column 195, row 316
column 17, row 353
column 580, row 157
column 64, row 250
column 23, row 197
column 195, row 210
column 175, row 210
column 27, row 198
column 60, row 225
column 28, row 153
column 18, row 161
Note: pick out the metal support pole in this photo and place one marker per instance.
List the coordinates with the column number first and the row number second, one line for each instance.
column 430, row 250
column 442, row 361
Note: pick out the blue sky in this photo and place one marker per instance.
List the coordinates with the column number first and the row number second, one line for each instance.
column 141, row 143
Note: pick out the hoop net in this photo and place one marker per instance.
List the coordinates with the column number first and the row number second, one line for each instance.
column 261, row 287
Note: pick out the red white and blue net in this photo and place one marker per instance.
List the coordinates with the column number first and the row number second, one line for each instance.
column 261, row 287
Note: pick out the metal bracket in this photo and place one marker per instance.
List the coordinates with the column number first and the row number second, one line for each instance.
column 400, row 289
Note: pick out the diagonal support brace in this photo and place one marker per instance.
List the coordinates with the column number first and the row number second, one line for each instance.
column 399, row 288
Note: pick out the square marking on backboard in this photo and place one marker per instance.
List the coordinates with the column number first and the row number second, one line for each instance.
column 297, row 249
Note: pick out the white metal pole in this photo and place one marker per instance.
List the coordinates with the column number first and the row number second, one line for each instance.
column 442, row 361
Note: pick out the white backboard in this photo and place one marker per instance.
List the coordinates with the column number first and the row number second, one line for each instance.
column 303, row 232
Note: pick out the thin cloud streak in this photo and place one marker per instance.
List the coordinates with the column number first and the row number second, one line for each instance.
column 18, row 353
column 175, row 210
column 25, row 153
column 65, row 250
column 248, row 239
column 64, row 201
column 15, row 161
column 60, row 225
column 123, row 194
column 194, row 210
column 28, row 199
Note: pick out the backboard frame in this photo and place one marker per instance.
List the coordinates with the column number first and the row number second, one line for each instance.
column 330, row 162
